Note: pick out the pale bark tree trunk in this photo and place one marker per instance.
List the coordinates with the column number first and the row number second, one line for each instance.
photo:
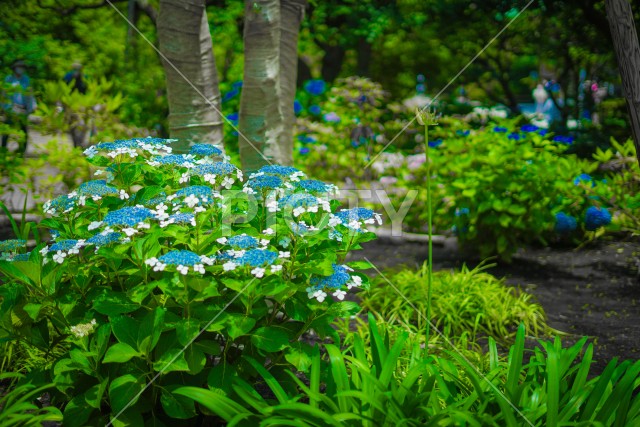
column 291, row 15
column 270, row 67
column 261, row 116
column 192, row 78
column 625, row 42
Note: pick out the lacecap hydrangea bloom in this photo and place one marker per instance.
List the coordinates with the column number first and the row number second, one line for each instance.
column 596, row 218
column 565, row 223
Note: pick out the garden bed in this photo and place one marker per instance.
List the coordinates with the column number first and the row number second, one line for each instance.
column 591, row 292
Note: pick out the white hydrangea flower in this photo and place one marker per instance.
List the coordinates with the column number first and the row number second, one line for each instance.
column 191, row 200
column 159, row 266
column 94, row 225
column 151, row 261
column 320, row 295
column 83, row 329
column 276, row 268
column 339, row 294
column 59, row 257
column 264, row 242
column 123, row 195
column 227, row 182
column 269, row 231
column 299, row 211
column 182, row 269
column 222, row 240
column 229, row 266
column 284, row 254
column 129, row 231
column 334, row 220
column 356, row 282
column 258, row 272
column 199, row 268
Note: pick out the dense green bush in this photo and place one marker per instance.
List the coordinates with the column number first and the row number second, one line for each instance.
column 171, row 272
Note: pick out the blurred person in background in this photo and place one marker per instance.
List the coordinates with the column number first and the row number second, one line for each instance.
column 18, row 102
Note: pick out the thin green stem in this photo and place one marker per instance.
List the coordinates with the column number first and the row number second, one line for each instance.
column 430, row 231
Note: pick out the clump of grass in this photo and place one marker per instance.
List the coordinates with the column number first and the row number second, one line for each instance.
column 466, row 303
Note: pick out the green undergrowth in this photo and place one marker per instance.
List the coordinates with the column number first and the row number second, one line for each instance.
column 468, row 304
column 372, row 383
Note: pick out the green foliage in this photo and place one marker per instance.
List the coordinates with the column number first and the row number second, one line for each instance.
column 166, row 275
column 364, row 388
column 468, row 302
column 18, row 405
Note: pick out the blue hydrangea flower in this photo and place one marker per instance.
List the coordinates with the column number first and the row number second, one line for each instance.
column 264, row 182
column 60, row 204
column 515, row 136
column 297, row 107
column 543, row 132
column 218, row 168
column 315, row 110
column 462, row 211
column 181, row 218
column 180, row 257
column 173, row 160
column 104, row 239
column 463, row 132
column 12, row 245
column 298, row 229
column 200, row 191
column 596, row 218
column 242, row 242
column 435, row 143
column 118, row 144
column 499, row 129
column 355, row 214
column 305, row 139
column 237, row 84
column 233, row 118
column 278, row 170
column 21, row 257
column 584, row 177
column 96, row 188
column 314, row 186
column 529, row 128
column 297, row 200
column 63, row 245
column 257, row 258
column 338, row 279
column 128, row 216
column 205, row 150
column 315, row 87
column 565, row 223
column 304, row 150
column 230, row 95
column 567, row 140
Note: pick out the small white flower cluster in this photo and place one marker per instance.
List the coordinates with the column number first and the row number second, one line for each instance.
column 83, row 329
column 157, row 265
column 60, row 255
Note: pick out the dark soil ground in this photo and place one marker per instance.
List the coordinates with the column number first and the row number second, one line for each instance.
column 593, row 291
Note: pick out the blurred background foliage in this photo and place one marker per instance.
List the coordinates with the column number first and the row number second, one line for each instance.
column 390, row 42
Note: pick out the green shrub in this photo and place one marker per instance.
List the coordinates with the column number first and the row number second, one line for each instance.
column 172, row 272
column 469, row 302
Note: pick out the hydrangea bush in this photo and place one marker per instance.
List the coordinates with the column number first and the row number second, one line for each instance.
column 176, row 269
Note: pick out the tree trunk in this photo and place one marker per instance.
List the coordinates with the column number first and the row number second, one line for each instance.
column 625, row 43
column 192, row 78
column 270, row 69
column 291, row 15
column 261, row 117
